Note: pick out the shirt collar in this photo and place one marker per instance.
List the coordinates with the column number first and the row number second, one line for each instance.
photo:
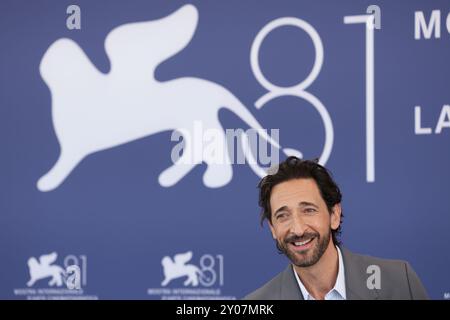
column 338, row 292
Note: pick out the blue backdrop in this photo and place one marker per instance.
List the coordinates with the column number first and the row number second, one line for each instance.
column 113, row 217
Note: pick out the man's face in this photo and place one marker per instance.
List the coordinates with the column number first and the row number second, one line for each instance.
column 301, row 223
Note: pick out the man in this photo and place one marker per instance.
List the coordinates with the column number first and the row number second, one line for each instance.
column 302, row 204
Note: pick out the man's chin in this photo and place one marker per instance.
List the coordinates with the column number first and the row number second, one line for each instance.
column 303, row 258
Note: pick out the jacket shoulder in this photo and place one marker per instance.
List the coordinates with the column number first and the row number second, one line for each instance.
column 398, row 278
column 269, row 291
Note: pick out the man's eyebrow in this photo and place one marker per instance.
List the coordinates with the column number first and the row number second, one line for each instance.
column 300, row 204
column 306, row 203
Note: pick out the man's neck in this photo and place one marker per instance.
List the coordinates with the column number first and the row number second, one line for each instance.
column 321, row 277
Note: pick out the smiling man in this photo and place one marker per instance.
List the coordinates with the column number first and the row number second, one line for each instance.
column 302, row 204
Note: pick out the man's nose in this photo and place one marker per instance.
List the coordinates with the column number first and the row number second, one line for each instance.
column 298, row 225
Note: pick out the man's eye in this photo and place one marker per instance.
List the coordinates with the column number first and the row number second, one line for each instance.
column 281, row 215
column 310, row 210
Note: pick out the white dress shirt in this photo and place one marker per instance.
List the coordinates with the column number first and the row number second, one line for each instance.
column 338, row 291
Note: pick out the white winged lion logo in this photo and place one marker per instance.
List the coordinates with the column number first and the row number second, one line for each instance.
column 178, row 268
column 44, row 268
column 93, row 111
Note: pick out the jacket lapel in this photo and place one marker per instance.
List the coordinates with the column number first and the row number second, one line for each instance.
column 289, row 287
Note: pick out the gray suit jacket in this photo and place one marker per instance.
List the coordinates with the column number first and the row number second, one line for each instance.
column 398, row 281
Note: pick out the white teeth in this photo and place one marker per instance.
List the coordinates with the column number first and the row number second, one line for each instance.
column 302, row 243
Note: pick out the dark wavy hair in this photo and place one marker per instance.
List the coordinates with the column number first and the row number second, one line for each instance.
column 295, row 168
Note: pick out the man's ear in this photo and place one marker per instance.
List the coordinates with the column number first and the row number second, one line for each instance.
column 272, row 230
column 336, row 216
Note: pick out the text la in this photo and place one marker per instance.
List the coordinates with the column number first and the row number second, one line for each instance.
column 443, row 121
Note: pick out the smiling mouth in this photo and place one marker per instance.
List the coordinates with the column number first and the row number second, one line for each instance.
column 302, row 245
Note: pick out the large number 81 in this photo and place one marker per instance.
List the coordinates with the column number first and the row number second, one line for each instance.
column 299, row 90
